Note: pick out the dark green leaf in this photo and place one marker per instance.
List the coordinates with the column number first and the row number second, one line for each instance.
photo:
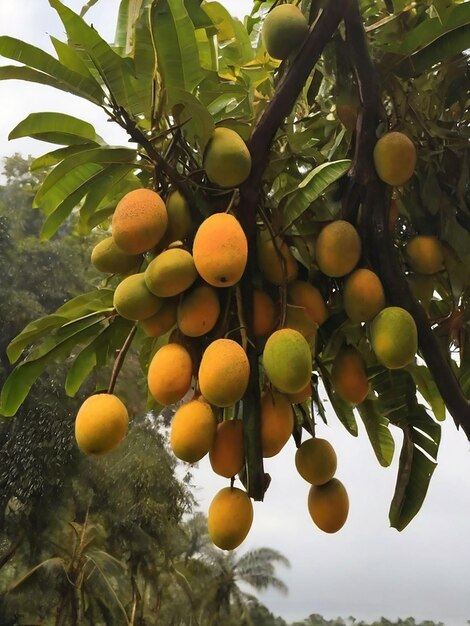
column 20, row 381
column 311, row 188
column 56, row 156
column 377, row 431
column 428, row 389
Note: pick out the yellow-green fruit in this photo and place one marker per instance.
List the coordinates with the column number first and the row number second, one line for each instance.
column 275, row 260
column 220, row 250
column 328, row 505
column 363, row 295
column 133, row 300
column 108, row 258
column 297, row 319
column 394, row 337
column 227, row 454
column 179, row 219
column 338, row 249
column 347, row 115
column 264, row 313
column 349, row 375
column 305, row 295
column 277, row 422
column 229, row 518
column 284, row 30
column 101, row 423
column 302, row 395
column 394, row 158
column 316, row 461
column 424, row 254
column 193, row 431
column 227, row 160
column 224, row 372
column 139, row 221
column 198, row 311
column 170, row 273
column 169, row 374
column 163, row 320
column 287, row 360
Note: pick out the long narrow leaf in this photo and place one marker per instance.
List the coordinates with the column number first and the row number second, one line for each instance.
column 55, row 128
column 38, row 59
column 377, row 430
column 57, row 185
column 311, row 188
column 176, row 45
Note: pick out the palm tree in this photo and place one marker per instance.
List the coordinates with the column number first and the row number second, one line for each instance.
column 225, row 596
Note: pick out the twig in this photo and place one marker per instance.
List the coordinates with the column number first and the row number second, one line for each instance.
column 118, row 363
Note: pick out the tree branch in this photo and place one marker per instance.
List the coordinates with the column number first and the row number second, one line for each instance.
column 259, row 144
column 375, row 201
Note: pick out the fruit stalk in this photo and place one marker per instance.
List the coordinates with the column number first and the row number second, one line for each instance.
column 118, row 363
column 375, row 197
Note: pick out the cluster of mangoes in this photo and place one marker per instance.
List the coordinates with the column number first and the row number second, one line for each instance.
column 180, row 280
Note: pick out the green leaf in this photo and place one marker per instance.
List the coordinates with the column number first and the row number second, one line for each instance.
column 198, row 122
column 91, row 356
column 104, row 184
column 71, row 58
column 311, row 188
column 20, row 381
column 429, row 30
column 176, row 46
column 421, row 439
column 14, row 72
column 428, row 389
column 377, row 431
column 99, row 300
column 115, row 71
column 237, row 49
column 55, row 128
column 56, row 156
column 72, row 171
column 444, row 48
column 37, row 59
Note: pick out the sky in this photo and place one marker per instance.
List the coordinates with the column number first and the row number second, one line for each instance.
column 367, row 569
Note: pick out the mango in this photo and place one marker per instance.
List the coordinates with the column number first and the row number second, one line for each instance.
column 349, row 375
column 303, row 294
column 193, row 431
column 227, row 160
column 169, row 374
column 108, row 258
column 363, row 295
column 170, row 273
column 394, row 158
column 139, row 221
column 229, row 518
column 277, row 422
column 394, row 337
column 316, row 461
column 328, row 505
column 275, row 260
column 163, row 320
column 287, row 360
column 101, row 423
column 338, row 249
column 227, row 455
column 133, row 301
column 424, row 255
column 264, row 313
column 224, row 372
column 198, row 311
column 220, row 250
column 284, row 30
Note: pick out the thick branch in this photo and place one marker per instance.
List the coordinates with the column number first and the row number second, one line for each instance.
column 259, row 144
column 375, row 197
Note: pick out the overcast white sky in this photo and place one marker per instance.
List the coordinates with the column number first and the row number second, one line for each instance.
column 367, row 569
